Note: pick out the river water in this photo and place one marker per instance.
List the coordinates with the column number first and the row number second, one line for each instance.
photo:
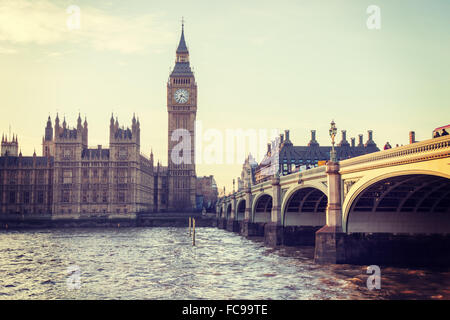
column 161, row 263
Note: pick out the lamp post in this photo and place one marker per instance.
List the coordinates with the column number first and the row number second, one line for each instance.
column 333, row 131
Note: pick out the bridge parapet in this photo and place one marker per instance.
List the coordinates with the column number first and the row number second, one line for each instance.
column 313, row 172
column 261, row 186
column 416, row 152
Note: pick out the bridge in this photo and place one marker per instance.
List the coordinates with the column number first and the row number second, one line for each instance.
column 391, row 206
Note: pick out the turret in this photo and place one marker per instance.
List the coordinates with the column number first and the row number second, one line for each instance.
column 287, row 140
column 111, row 127
column 57, row 127
column 79, row 126
column 48, row 130
column 313, row 141
column 360, row 140
column 47, row 140
column 344, row 141
column 10, row 148
column 85, row 133
column 370, row 142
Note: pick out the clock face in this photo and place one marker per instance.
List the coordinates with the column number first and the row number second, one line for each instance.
column 181, row 96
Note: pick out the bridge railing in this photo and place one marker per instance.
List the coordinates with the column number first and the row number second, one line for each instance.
column 430, row 146
column 313, row 171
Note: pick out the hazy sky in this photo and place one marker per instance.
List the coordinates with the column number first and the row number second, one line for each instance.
column 258, row 64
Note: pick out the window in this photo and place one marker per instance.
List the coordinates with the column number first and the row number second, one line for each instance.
column 40, row 197
column 122, row 176
column 123, row 153
column 40, row 177
column 66, row 196
column 26, row 197
column 27, row 177
column 121, row 197
column 12, row 177
column 67, row 176
column 12, row 197
column 67, row 153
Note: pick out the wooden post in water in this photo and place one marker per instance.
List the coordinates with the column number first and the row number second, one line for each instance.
column 189, row 226
column 193, row 231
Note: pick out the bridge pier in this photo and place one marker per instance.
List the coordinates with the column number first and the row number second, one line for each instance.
column 299, row 235
column 273, row 231
column 273, row 234
column 222, row 223
column 330, row 245
column 232, row 225
column 251, row 229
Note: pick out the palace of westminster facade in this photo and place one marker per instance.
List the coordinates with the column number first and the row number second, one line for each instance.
column 71, row 178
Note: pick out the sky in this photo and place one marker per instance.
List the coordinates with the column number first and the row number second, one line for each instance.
column 260, row 65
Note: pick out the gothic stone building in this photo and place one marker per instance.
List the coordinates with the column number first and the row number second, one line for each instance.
column 73, row 178
column 182, row 109
column 26, row 184
column 283, row 157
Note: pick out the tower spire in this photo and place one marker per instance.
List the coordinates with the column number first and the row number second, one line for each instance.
column 182, row 48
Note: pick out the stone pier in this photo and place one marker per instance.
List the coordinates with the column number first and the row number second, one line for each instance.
column 330, row 238
column 273, row 231
column 299, row 235
column 232, row 225
column 251, row 229
column 222, row 223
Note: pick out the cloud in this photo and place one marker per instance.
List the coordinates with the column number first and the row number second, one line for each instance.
column 259, row 41
column 4, row 50
column 41, row 22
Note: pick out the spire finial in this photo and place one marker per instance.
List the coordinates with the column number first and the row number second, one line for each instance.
column 182, row 48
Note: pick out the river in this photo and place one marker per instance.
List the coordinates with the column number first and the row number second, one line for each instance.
column 161, row 263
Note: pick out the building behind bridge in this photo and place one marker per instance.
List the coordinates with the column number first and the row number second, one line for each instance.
column 207, row 193
column 284, row 157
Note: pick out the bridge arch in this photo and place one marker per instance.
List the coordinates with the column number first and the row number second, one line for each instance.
column 412, row 201
column 240, row 210
column 262, row 208
column 305, row 205
column 228, row 212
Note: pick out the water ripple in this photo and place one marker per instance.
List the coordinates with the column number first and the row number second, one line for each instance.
column 161, row 263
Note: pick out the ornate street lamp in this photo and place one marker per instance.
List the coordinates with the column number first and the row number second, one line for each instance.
column 333, row 131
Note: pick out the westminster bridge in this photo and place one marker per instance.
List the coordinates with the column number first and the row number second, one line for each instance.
column 391, row 206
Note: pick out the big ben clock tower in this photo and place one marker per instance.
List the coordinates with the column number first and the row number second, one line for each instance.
column 182, row 109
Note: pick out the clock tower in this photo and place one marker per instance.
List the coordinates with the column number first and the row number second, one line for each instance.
column 182, row 109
